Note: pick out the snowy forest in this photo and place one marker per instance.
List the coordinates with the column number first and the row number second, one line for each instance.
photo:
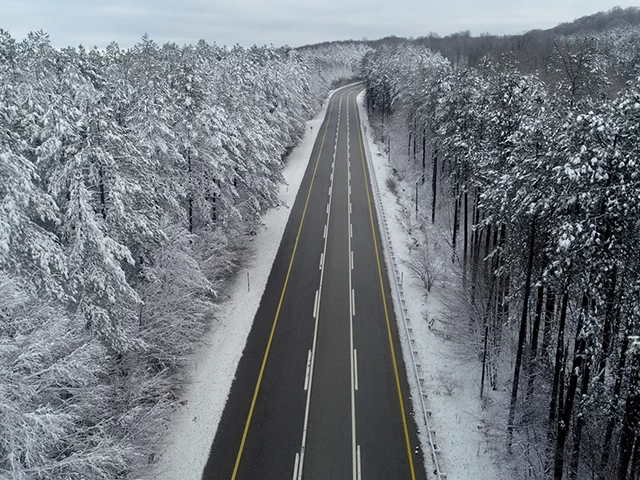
column 131, row 184
column 533, row 170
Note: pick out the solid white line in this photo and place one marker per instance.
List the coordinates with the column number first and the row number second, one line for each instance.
column 355, row 363
column 306, row 376
column 359, row 465
column 305, row 425
column 295, row 466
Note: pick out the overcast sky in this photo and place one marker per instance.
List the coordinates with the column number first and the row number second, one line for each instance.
column 279, row 22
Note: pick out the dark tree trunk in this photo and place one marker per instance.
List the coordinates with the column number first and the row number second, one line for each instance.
column 190, row 200
column 456, row 220
column 465, row 244
column 414, row 140
column 484, row 360
column 631, row 416
column 434, row 182
column 476, row 239
column 424, row 156
column 577, row 432
column 103, row 195
column 629, row 424
column 564, row 422
column 557, row 372
column 506, row 282
column 487, row 319
column 487, row 261
column 497, row 284
column 635, row 461
column 549, row 314
column 608, row 322
column 563, row 379
column 533, row 353
column 490, row 283
column 522, row 336
column 613, row 414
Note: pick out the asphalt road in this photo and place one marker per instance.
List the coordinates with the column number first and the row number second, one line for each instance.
column 320, row 392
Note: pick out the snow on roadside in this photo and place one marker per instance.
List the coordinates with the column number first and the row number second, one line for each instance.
column 214, row 366
column 451, row 383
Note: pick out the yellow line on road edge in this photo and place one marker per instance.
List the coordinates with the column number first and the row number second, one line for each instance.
column 384, row 301
column 275, row 320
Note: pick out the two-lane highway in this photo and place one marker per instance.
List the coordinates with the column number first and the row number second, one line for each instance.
column 320, row 392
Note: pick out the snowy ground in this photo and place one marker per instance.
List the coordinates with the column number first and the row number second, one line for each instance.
column 450, row 380
column 213, row 367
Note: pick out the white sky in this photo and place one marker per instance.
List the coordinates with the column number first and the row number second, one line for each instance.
column 279, row 22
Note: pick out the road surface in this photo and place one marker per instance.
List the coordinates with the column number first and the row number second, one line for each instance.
column 320, row 392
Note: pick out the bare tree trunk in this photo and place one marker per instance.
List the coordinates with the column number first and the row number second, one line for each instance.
column 506, row 283
column 577, row 431
column 564, row 422
column 424, row 156
column 489, row 280
column 627, row 440
column 414, row 139
column 476, row 239
column 557, row 373
column 103, row 195
column 549, row 314
column 631, row 416
column 496, row 312
column 522, row 336
column 465, row 245
column 635, row 461
column 456, row 221
column 533, row 352
column 608, row 322
column 434, row 182
column 487, row 262
column 484, row 360
column 190, row 200
column 611, row 422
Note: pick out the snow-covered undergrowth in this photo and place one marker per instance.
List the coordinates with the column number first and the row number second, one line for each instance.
column 451, row 375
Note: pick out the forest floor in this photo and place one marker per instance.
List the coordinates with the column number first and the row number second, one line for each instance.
column 468, row 432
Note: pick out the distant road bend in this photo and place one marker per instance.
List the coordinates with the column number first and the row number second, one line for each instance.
column 320, row 392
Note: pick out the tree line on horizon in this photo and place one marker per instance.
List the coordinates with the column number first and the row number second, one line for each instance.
column 536, row 174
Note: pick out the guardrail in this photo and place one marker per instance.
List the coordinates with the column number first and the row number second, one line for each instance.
column 388, row 250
